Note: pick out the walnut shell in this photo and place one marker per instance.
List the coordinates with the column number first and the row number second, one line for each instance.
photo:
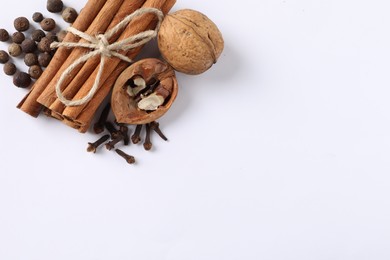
column 125, row 107
column 189, row 41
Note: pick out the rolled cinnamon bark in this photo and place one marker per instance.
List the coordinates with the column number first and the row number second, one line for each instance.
column 128, row 7
column 113, row 68
column 99, row 25
column 29, row 103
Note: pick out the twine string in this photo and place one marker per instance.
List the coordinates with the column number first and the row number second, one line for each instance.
column 100, row 46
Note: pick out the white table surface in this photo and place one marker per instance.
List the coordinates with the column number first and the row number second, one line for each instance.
column 280, row 151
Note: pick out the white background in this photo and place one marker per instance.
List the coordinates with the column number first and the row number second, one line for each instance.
column 280, row 151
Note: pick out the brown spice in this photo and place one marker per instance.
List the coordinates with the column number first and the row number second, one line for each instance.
column 9, row 68
column 28, row 46
column 44, row 45
column 37, row 35
column 35, row 71
column 4, row 35
column 37, row 17
column 21, row 79
column 48, row 24
column 69, row 14
column 44, row 59
column 21, row 24
column 18, row 37
column 4, row 57
column 14, row 50
column 31, row 59
column 54, row 6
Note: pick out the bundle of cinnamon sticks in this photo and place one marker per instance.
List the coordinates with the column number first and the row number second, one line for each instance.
column 96, row 17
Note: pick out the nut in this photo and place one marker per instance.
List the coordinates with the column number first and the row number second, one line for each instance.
column 144, row 92
column 189, row 41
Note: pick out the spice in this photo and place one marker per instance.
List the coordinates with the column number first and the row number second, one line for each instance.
column 129, row 158
column 93, row 146
column 136, row 137
column 31, row 59
column 37, row 17
column 18, row 37
column 4, row 57
column 9, row 68
column 44, row 59
column 28, row 46
column 147, row 144
column 21, row 79
column 111, row 145
column 125, row 133
column 156, row 127
column 4, row 35
column 54, row 6
column 99, row 125
column 44, row 45
column 14, row 50
column 112, row 130
column 61, row 35
column 35, row 71
column 37, row 35
column 69, row 14
column 48, row 24
column 21, row 24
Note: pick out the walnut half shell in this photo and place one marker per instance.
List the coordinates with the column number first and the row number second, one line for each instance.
column 144, row 92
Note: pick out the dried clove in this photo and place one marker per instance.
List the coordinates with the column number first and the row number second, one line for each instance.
column 112, row 130
column 111, row 145
column 93, row 146
column 136, row 137
column 156, row 127
column 125, row 133
column 147, row 144
column 99, row 125
column 129, row 158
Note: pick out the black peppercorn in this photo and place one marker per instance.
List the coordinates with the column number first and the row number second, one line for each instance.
column 4, row 35
column 4, row 57
column 37, row 17
column 28, row 46
column 14, row 50
column 69, row 14
column 54, row 6
column 31, row 59
column 21, row 24
column 48, row 24
column 44, row 44
column 22, row 79
column 9, row 68
column 35, row 71
column 37, row 35
column 44, row 59
column 18, row 37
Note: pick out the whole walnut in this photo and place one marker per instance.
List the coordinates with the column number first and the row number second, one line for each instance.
column 189, row 41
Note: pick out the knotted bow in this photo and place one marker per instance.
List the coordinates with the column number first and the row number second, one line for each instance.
column 100, row 46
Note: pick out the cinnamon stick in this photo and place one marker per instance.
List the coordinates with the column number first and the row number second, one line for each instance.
column 99, row 24
column 29, row 103
column 128, row 7
column 115, row 66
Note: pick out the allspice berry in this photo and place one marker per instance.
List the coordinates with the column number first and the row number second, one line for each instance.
column 44, row 59
column 69, row 15
column 21, row 79
column 61, row 35
column 189, row 41
column 48, row 24
column 4, row 35
column 9, row 68
column 54, row 6
column 14, row 50
column 21, row 24
column 52, row 36
column 4, row 57
column 37, row 17
column 37, row 35
column 44, row 44
column 35, row 71
column 31, row 59
column 28, row 46
column 18, row 37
